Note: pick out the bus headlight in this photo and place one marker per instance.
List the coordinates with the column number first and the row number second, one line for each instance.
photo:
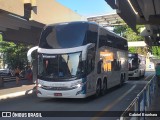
column 77, row 84
column 39, row 85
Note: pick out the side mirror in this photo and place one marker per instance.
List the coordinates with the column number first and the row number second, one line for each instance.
column 139, row 61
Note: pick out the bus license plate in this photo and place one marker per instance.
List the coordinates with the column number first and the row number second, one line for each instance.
column 57, row 94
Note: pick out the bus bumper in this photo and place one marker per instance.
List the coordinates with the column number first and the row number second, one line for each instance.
column 133, row 74
column 75, row 93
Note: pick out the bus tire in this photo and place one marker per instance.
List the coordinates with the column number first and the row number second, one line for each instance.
column 104, row 87
column 143, row 74
column 98, row 88
column 121, row 81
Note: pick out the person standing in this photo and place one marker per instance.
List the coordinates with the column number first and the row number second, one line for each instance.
column 29, row 74
column 17, row 75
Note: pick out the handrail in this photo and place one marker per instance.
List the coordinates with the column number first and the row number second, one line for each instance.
column 137, row 102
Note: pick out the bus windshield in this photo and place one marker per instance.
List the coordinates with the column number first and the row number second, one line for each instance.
column 133, row 63
column 60, row 66
column 63, row 36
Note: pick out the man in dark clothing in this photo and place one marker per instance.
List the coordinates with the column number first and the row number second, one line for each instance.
column 29, row 74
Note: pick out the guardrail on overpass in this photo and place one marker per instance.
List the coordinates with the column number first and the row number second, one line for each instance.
column 140, row 106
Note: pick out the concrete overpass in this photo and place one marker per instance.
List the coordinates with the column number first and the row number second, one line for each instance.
column 142, row 12
column 108, row 20
column 21, row 21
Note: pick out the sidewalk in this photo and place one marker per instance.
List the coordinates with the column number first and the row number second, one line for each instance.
column 11, row 90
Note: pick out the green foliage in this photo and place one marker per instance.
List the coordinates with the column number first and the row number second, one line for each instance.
column 140, row 50
column 155, row 51
column 14, row 54
column 130, row 35
column 132, row 49
column 120, row 29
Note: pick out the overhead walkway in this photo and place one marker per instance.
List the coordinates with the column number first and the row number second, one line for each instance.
column 19, row 30
column 142, row 12
column 108, row 20
column 21, row 21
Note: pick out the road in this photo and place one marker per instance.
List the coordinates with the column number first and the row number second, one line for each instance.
column 117, row 99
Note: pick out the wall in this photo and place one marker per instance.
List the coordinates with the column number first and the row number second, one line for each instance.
column 50, row 11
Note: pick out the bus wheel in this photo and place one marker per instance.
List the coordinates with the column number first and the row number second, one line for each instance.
column 104, row 87
column 121, row 81
column 98, row 89
column 139, row 75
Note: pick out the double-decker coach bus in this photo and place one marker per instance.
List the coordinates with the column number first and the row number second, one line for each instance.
column 137, row 65
column 80, row 59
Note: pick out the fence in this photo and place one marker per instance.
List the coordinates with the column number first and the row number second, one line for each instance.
column 142, row 103
column 10, row 78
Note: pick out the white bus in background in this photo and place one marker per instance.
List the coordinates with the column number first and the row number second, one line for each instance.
column 137, row 65
column 80, row 59
column 151, row 66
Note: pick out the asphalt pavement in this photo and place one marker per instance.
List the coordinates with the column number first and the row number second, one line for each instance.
column 25, row 87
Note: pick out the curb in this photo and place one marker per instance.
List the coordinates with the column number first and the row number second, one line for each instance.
column 17, row 94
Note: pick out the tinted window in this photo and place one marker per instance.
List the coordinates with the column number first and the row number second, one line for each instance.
column 64, row 36
column 102, row 37
column 109, row 39
column 90, row 60
column 92, row 34
column 111, row 42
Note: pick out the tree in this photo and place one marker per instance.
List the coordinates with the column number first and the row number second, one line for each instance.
column 14, row 54
column 131, row 36
column 120, row 29
column 155, row 50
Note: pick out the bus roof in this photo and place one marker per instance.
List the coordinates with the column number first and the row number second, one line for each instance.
column 73, row 22
column 72, row 34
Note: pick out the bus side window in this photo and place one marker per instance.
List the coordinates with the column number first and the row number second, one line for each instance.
column 90, row 60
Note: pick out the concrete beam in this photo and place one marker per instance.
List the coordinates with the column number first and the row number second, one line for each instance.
column 18, row 21
column 112, row 3
column 36, row 24
column 13, row 21
column 31, row 36
column 5, row 24
column 25, row 22
column 126, row 12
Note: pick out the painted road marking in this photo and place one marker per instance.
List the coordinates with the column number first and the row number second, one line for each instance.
column 108, row 107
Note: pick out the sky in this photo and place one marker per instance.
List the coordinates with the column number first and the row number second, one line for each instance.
column 88, row 8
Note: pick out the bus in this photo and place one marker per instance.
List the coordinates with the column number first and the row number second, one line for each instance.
column 80, row 59
column 137, row 65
